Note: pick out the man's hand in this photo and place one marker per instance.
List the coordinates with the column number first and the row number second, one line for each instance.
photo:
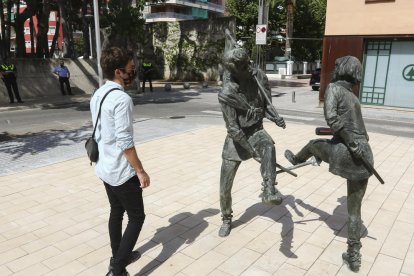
column 144, row 179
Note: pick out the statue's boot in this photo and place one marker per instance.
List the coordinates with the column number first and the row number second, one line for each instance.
column 225, row 228
column 270, row 194
column 352, row 257
column 293, row 159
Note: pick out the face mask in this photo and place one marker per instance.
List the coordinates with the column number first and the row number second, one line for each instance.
column 131, row 77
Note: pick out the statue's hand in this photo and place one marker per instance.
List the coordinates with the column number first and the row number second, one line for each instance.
column 356, row 150
column 280, row 122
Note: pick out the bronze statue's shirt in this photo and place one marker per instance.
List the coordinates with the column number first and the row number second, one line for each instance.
column 243, row 110
column 342, row 110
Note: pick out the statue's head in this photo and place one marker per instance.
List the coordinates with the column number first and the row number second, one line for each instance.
column 236, row 60
column 347, row 68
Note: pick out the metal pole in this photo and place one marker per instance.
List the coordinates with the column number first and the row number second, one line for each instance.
column 98, row 40
column 90, row 40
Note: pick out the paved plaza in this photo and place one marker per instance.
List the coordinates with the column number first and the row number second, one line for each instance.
column 54, row 210
column 54, row 218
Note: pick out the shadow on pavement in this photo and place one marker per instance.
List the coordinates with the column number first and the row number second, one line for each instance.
column 335, row 221
column 33, row 143
column 173, row 236
column 279, row 213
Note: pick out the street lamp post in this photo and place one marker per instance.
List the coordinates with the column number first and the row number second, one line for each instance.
column 98, row 40
column 89, row 18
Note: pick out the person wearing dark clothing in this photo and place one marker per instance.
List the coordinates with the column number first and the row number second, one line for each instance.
column 64, row 75
column 8, row 74
column 119, row 167
column 147, row 72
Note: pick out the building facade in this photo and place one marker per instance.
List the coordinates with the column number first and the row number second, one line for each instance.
column 179, row 10
column 381, row 34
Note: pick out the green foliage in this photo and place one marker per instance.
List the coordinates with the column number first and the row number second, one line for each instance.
column 309, row 22
column 246, row 13
column 125, row 22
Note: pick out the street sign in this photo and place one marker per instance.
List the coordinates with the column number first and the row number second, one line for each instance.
column 261, row 34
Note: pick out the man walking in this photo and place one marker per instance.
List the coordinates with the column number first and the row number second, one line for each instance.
column 9, row 75
column 118, row 166
column 63, row 73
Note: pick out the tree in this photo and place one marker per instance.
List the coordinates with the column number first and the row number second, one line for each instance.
column 125, row 23
column 21, row 17
column 65, row 13
column 246, row 13
column 42, row 14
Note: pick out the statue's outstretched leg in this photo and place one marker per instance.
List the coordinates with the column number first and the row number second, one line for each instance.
column 267, row 153
column 356, row 191
column 320, row 148
column 228, row 172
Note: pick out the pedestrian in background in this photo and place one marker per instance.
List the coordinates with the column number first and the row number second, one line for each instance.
column 8, row 73
column 118, row 166
column 147, row 74
column 64, row 75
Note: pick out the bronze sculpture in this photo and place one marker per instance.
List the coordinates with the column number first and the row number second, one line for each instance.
column 244, row 107
column 348, row 153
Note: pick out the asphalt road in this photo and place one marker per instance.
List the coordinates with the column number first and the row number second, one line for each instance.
column 295, row 103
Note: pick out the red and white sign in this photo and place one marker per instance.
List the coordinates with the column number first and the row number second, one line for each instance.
column 261, row 34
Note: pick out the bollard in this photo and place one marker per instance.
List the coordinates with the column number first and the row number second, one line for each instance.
column 294, row 97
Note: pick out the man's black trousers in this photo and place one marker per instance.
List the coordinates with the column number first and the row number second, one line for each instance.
column 126, row 197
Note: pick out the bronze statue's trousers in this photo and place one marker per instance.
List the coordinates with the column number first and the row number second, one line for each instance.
column 356, row 191
column 267, row 152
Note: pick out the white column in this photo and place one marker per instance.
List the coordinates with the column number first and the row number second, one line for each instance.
column 289, row 67
column 318, row 63
column 305, row 67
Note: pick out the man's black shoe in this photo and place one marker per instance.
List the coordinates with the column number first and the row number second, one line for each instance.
column 135, row 255
column 111, row 273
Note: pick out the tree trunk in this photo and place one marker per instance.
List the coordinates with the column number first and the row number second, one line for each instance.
column 32, row 35
column 56, row 35
column 86, row 20
column 289, row 27
column 28, row 12
column 3, row 30
column 64, row 9
column 42, row 45
column 8, row 30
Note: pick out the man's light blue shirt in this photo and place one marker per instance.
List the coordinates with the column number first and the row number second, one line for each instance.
column 114, row 133
column 62, row 72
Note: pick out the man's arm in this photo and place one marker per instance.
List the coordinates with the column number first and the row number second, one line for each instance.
column 125, row 140
column 132, row 157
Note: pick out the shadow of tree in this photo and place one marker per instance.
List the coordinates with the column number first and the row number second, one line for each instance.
column 281, row 214
column 165, row 97
column 170, row 241
column 339, row 214
column 33, row 143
